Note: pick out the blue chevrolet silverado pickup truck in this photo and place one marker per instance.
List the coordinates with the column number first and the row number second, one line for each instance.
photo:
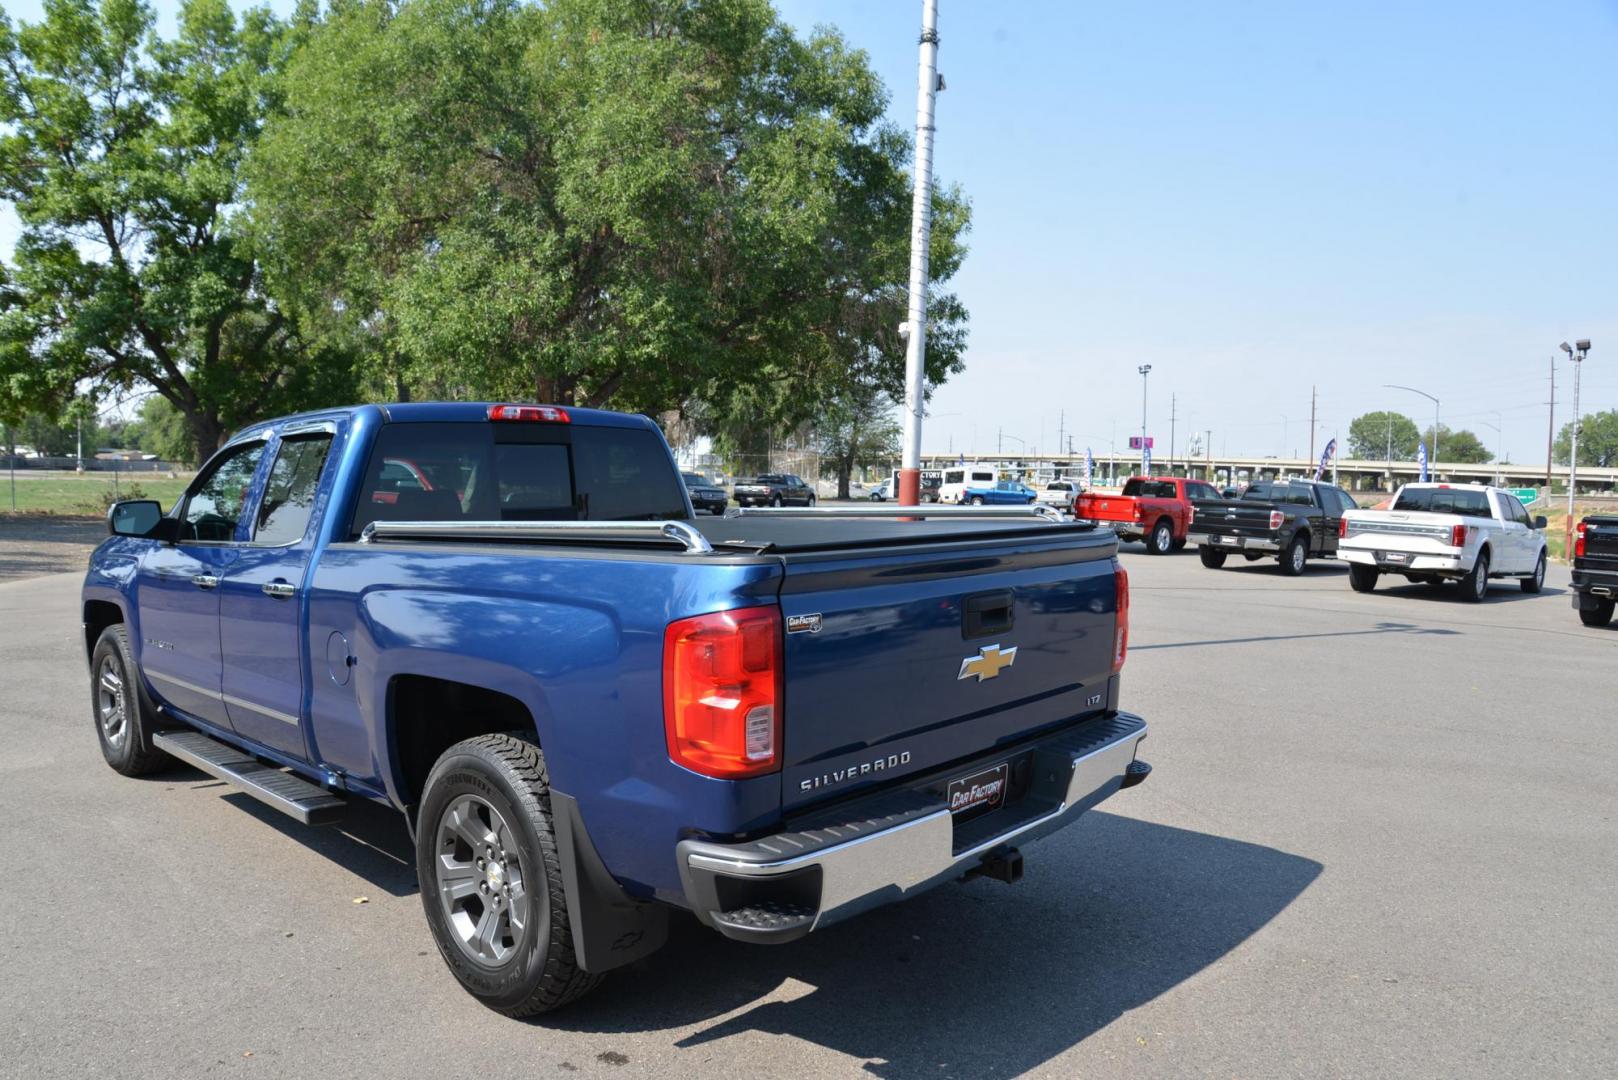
column 592, row 708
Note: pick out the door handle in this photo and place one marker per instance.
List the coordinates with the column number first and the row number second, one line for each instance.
column 205, row 581
column 279, row 589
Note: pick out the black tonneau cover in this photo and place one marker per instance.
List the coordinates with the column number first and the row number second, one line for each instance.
column 761, row 534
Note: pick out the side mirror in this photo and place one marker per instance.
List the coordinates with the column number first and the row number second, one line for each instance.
column 134, row 517
column 1540, row 522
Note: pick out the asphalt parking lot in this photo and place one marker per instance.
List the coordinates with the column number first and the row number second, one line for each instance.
column 1381, row 839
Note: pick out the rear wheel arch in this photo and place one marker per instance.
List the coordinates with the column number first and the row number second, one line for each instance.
column 428, row 714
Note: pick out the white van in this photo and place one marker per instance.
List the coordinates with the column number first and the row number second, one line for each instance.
column 962, row 477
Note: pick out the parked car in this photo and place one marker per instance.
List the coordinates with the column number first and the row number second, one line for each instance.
column 1154, row 509
column 705, row 495
column 1432, row 533
column 1595, row 569
column 1060, row 494
column 591, row 708
column 774, row 489
column 1291, row 521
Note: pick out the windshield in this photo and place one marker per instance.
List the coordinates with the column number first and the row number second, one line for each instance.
column 1467, row 502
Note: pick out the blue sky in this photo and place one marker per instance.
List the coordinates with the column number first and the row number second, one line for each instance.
column 1257, row 198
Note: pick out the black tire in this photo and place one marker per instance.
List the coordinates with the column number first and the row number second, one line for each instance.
column 124, row 717
column 1296, row 556
column 1475, row 585
column 1536, row 581
column 1252, row 556
column 977, row 500
column 1161, row 538
column 1362, row 578
column 1178, row 545
column 811, row 501
column 1600, row 615
column 507, row 774
column 1211, row 558
column 775, row 500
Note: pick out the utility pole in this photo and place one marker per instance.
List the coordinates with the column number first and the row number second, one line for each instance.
column 1550, row 431
column 999, row 442
column 1207, row 443
column 1061, row 427
column 921, row 221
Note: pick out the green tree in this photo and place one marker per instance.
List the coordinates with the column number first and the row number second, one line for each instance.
column 1369, row 437
column 855, row 431
column 122, row 153
column 158, row 428
column 1461, row 445
column 1598, row 440
column 651, row 204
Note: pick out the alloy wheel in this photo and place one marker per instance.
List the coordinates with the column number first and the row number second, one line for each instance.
column 110, row 703
column 480, row 881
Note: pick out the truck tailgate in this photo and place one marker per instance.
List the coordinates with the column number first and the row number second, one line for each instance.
column 884, row 653
column 1107, row 508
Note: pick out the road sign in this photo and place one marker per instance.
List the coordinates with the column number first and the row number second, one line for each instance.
column 1134, row 442
column 1525, row 495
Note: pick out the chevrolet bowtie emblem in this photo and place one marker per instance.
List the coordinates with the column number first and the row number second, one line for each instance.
column 987, row 663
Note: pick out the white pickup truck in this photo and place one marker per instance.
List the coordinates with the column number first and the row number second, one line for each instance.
column 1434, row 533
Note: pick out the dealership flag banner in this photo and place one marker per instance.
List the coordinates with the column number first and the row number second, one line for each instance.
column 1089, row 466
column 1331, row 448
column 1421, row 460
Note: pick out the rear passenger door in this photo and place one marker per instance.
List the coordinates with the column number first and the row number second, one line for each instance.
column 1333, row 502
column 1521, row 544
column 261, row 597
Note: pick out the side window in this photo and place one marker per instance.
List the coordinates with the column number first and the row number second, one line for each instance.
column 289, row 496
column 213, row 509
column 1513, row 510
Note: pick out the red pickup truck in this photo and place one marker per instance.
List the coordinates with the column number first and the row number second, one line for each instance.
column 1155, row 509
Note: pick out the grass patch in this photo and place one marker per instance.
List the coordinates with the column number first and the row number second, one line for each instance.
column 90, row 493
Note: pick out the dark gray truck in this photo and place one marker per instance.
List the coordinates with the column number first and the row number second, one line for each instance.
column 1291, row 521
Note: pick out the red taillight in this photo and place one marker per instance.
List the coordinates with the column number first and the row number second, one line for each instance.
column 722, row 692
column 1457, row 536
column 1578, row 541
column 549, row 414
column 1120, row 640
column 1342, row 526
column 1276, row 517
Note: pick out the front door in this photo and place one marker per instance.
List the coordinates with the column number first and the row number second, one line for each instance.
column 177, row 587
column 261, row 601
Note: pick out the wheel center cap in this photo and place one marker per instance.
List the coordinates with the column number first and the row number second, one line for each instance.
column 495, row 876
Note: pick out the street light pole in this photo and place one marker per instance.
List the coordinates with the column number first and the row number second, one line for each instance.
column 1429, row 397
column 1145, row 370
column 1576, row 352
column 921, row 220
column 1499, row 440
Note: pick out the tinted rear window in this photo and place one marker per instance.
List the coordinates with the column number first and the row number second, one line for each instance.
column 517, row 472
column 1463, row 501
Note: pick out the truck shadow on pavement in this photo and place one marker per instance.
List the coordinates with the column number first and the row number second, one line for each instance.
column 370, row 840
column 1379, row 628
column 972, row 979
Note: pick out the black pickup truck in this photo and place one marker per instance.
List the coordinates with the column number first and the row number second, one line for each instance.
column 774, row 489
column 1595, row 569
column 1289, row 520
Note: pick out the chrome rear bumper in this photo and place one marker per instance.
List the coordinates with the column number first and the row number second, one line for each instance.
column 893, row 845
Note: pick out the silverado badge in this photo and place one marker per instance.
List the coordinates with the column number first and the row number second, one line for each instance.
column 987, row 663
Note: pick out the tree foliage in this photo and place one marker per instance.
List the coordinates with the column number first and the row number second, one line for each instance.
column 1458, row 445
column 647, row 204
column 855, row 431
column 122, row 154
column 1369, row 437
column 1598, row 440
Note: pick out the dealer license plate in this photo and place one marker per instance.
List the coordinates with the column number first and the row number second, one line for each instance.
column 1231, row 540
column 1397, row 558
column 980, row 792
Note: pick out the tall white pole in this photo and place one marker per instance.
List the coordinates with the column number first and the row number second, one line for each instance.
column 1573, row 452
column 921, row 222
